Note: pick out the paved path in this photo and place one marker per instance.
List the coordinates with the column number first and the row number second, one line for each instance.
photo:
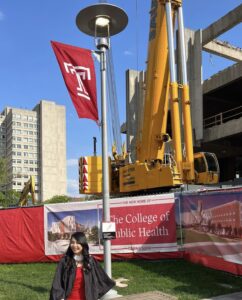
column 234, row 296
column 162, row 296
column 149, row 296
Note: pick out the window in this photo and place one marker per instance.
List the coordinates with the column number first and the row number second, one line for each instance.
column 19, row 153
column 25, row 125
column 25, row 146
column 30, row 118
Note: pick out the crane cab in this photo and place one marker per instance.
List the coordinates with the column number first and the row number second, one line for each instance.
column 206, row 168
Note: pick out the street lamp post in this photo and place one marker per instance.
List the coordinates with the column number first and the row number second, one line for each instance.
column 102, row 21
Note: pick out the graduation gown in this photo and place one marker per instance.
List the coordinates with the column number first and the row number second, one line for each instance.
column 97, row 282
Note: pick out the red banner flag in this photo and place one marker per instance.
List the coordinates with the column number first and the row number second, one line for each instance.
column 78, row 71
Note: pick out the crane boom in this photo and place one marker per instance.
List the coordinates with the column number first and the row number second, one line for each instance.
column 154, row 168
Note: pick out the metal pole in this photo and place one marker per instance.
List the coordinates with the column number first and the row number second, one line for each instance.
column 182, row 45
column 94, row 146
column 170, row 42
column 175, row 113
column 186, row 104
column 103, row 45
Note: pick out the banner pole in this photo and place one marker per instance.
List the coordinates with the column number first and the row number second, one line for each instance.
column 103, row 45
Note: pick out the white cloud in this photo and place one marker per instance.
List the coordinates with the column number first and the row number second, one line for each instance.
column 73, row 187
column 73, row 162
column 127, row 52
column 2, row 16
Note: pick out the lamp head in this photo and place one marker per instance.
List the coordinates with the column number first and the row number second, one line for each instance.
column 101, row 20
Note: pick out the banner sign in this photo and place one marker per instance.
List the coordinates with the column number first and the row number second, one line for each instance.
column 143, row 224
column 77, row 68
column 212, row 224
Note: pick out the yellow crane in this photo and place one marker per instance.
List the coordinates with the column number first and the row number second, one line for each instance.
column 28, row 188
column 155, row 169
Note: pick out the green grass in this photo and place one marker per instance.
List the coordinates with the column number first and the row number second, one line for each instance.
column 191, row 236
column 176, row 277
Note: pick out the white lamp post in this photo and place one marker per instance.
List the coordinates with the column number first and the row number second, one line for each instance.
column 102, row 21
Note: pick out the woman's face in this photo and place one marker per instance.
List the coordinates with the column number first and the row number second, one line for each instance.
column 75, row 247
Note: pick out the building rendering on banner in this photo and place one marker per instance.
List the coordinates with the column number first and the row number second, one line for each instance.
column 34, row 143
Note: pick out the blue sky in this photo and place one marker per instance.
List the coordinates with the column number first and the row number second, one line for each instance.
column 29, row 70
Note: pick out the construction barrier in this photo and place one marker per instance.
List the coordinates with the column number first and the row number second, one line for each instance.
column 203, row 227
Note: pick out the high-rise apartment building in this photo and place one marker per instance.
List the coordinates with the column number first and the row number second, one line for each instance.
column 34, row 143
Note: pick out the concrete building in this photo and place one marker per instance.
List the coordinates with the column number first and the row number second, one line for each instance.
column 215, row 103
column 34, row 143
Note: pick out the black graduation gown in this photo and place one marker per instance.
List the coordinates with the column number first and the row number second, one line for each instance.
column 97, row 282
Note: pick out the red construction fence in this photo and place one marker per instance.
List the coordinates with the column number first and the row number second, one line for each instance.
column 203, row 227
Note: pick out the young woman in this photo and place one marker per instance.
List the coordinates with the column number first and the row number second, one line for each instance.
column 78, row 275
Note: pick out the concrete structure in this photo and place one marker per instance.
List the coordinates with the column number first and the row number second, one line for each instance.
column 34, row 143
column 134, row 111
column 215, row 103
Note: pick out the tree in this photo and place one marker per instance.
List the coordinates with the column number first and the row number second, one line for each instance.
column 3, row 171
column 9, row 198
column 58, row 199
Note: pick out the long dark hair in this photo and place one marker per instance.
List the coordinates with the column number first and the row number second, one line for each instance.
column 82, row 240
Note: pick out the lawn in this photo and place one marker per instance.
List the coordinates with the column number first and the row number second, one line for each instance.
column 192, row 235
column 176, row 277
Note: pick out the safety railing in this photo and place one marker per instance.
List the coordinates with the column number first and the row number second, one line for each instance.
column 223, row 117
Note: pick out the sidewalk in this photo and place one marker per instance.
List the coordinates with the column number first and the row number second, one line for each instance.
column 162, row 296
column 149, row 296
column 234, row 296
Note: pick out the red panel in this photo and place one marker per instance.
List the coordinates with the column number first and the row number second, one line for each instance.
column 21, row 231
column 214, row 263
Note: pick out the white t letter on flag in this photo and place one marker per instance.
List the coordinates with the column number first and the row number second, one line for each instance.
column 78, row 71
